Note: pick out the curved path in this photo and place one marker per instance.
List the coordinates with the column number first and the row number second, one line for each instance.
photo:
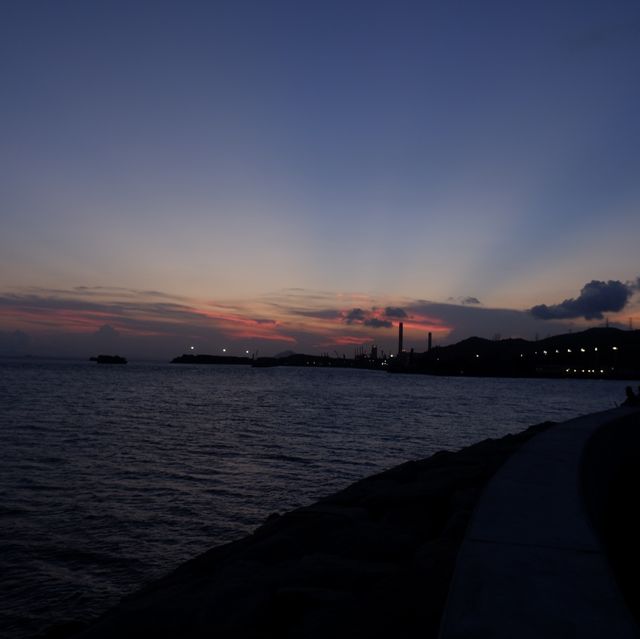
column 531, row 565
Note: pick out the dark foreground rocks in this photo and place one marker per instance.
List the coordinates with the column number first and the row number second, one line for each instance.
column 374, row 560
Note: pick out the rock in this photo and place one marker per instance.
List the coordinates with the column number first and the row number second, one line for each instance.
column 372, row 560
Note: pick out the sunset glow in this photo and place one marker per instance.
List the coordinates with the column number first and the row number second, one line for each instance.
column 290, row 177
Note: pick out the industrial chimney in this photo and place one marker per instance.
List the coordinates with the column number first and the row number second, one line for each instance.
column 429, row 341
column 400, row 330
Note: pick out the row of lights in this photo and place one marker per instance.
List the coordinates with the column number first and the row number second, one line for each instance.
column 582, row 350
column 589, row 370
column 224, row 350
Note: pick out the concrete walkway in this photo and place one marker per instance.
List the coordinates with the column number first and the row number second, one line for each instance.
column 531, row 565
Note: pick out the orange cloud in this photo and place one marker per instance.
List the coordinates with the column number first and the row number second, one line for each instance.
column 307, row 320
column 349, row 340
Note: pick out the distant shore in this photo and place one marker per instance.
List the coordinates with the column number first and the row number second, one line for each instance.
column 596, row 353
column 374, row 559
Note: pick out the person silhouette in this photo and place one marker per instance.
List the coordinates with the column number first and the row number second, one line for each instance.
column 632, row 398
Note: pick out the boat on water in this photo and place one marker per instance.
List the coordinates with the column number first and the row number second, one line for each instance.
column 109, row 359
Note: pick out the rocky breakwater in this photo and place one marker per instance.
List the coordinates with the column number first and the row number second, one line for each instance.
column 373, row 560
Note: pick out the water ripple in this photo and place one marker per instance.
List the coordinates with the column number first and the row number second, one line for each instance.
column 112, row 476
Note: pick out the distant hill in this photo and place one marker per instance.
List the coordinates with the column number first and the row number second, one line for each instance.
column 594, row 353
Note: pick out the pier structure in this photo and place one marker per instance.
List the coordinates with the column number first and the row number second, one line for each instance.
column 533, row 563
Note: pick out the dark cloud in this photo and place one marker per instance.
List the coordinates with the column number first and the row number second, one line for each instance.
column 107, row 332
column 595, row 298
column 325, row 313
column 151, row 328
column 374, row 322
column 160, row 329
column 465, row 301
column 48, row 302
column 88, row 291
column 118, row 310
column 395, row 311
column 355, row 315
column 366, row 318
column 142, row 317
column 464, row 321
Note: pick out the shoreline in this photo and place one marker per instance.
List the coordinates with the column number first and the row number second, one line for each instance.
column 374, row 559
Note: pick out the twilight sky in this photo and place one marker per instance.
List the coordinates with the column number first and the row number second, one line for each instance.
column 303, row 175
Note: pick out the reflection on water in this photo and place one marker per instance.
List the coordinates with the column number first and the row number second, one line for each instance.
column 112, row 476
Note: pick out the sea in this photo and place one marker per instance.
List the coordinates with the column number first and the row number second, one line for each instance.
column 111, row 476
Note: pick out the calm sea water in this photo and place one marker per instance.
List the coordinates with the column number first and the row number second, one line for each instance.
column 112, row 476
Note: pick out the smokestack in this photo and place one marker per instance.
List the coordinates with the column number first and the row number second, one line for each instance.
column 400, row 330
column 429, row 341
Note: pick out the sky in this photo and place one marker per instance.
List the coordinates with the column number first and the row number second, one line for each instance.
column 271, row 176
